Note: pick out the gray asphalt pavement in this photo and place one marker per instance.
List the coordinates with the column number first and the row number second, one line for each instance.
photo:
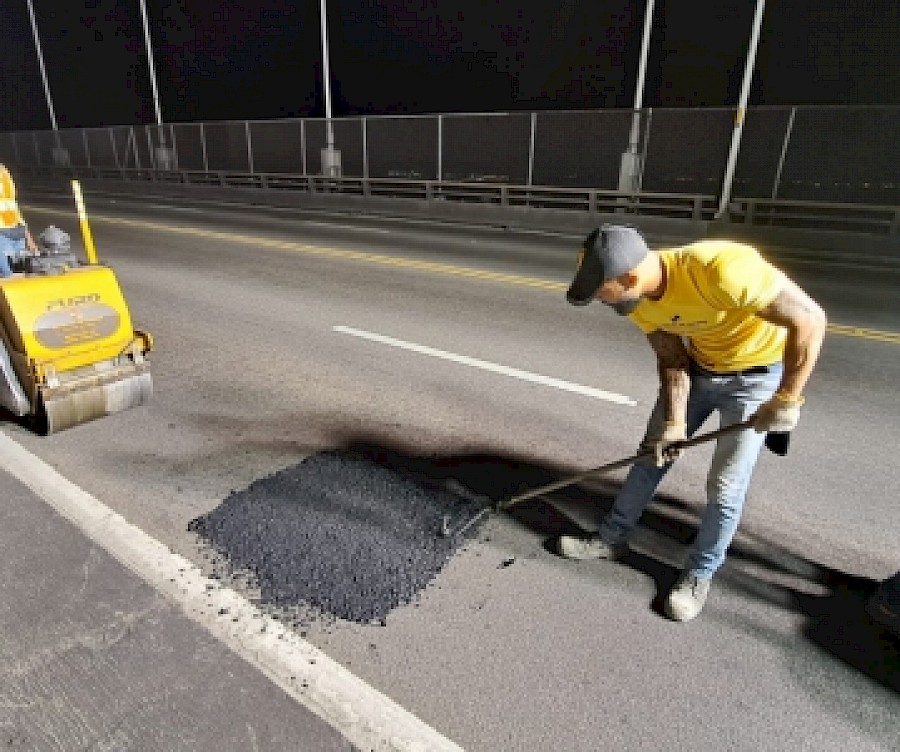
column 91, row 657
column 509, row 648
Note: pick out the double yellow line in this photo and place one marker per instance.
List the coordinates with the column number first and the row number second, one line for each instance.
column 856, row 331
column 406, row 263
column 324, row 251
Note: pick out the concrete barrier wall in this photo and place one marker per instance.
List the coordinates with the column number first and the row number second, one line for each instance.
column 512, row 217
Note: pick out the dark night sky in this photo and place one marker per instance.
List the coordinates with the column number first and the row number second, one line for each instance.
column 236, row 59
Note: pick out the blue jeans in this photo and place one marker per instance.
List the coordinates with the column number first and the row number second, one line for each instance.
column 9, row 248
column 736, row 397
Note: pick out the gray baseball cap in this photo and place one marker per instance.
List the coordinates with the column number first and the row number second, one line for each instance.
column 607, row 253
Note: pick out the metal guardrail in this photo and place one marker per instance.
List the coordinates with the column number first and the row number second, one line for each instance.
column 876, row 220
column 756, row 212
column 672, row 205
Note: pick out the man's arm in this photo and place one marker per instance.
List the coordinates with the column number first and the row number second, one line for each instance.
column 674, row 378
column 805, row 322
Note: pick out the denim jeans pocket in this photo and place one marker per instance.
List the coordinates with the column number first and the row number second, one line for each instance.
column 759, row 387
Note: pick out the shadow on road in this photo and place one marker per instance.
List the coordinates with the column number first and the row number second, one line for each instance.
column 837, row 620
column 833, row 602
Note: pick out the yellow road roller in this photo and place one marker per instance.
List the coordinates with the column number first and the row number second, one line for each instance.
column 68, row 350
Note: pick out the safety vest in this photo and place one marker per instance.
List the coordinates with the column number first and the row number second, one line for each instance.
column 10, row 216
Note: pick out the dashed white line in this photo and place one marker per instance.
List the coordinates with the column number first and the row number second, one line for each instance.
column 362, row 714
column 516, row 373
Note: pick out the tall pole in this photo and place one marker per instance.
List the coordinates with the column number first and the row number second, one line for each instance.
column 60, row 155
column 784, row 148
column 152, row 67
column 164, row 158
column 741, row 111
column 40, row 57
column 631, row 170
column 328, row 156
column 642, row 74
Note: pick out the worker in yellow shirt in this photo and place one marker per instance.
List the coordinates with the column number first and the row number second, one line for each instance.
column 15, row 239
column 731, row 334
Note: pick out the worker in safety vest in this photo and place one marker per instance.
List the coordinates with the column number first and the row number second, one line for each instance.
column 15, row 239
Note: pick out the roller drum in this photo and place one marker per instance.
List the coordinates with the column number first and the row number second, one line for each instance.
column 76, row 406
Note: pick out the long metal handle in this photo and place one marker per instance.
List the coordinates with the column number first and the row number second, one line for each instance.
column 572, row 480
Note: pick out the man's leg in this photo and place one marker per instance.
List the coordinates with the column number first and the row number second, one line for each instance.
column 637, row 491
column 726, row 489
column 727, row 484
column 644, row 477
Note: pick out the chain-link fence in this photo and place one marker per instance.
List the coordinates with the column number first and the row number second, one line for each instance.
column 828, row 154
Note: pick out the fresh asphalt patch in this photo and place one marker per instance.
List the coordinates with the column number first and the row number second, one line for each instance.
column 338, row 534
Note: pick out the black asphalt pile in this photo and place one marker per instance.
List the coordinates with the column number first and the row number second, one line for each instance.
column 340, row 534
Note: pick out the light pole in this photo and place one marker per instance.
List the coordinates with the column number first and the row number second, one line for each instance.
column 631, row 170
column 164, row 155
column 60, row 155
column 725, row 196
column 331, row 158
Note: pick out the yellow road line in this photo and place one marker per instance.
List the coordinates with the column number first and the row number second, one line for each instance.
column 856, row 331
column 406, row 263
column 315, row 250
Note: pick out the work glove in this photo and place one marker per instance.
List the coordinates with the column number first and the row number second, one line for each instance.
column 661, row 445
column 779, row 415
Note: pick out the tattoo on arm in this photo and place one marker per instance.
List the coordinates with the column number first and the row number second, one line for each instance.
column 805, row 322
column 675, row 381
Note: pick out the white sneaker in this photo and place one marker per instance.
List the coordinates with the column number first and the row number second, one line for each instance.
column 687, row 597
column 592, row 547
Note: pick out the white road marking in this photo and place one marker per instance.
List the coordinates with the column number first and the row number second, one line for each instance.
column 366, row 717
column 535, row 378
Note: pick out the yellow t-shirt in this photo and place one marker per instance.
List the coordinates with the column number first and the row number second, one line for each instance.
column 713, row 290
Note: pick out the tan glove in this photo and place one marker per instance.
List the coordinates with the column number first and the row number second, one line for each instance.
column 779, row 415
column 661, row 446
